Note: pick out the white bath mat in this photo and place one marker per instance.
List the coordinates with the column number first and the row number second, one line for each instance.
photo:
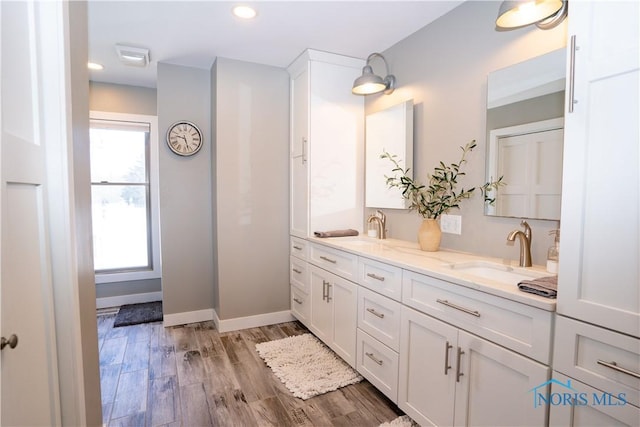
column 306, row 366
column 403, row 421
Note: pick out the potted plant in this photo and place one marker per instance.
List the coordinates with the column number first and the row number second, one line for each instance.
column 438, row 196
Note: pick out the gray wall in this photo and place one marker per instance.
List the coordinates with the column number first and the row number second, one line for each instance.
column 185, row 193
column 444, row 68
column 251, row 188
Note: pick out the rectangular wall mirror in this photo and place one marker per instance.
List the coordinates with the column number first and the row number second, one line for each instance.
column 525, row 134
column 389, row 130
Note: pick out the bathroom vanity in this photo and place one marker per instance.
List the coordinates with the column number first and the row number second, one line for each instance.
column 445, row 335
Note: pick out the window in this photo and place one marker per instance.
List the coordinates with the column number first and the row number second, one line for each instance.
column 124, row 197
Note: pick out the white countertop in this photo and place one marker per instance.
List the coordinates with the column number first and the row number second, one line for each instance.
column 407, row 255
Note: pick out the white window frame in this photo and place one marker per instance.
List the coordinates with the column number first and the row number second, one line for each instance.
column 154, row 199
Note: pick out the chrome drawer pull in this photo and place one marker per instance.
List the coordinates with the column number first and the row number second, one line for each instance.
column 572, row 73
column 295, row 270
column 372, row 357
column 457, row 307
column 332, row 261
column 375, row 313
column 297, row 247
column 297, row 300
column 325, row 293
column 615, row 367
column 458, row 373
column 447, row 347
column 375, row 276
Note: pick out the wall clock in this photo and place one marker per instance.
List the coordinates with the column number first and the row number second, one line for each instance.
column 184, row 138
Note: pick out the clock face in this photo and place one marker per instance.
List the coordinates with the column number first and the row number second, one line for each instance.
column 184, row 138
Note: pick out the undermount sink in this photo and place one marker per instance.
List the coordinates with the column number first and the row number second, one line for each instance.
column 497, row 272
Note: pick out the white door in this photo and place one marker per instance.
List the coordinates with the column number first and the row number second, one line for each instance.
column 28, row 373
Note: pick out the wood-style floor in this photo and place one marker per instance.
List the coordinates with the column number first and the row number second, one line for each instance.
column 193, row 375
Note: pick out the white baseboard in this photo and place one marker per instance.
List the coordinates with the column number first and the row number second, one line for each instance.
column 188, row 317
column 107, row 302
column 238, row 323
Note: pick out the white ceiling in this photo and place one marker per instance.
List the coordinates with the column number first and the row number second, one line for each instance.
column 194, row 33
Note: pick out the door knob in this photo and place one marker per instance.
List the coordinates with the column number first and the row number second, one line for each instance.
column 12, row 342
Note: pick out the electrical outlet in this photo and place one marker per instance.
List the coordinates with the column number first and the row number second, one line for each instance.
column 451, row 224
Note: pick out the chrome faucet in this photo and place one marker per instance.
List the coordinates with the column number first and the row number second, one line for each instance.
column 381, row 222
column 525, row 243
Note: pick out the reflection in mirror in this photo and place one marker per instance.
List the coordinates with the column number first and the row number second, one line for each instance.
column 525, row 110
column 389, row 130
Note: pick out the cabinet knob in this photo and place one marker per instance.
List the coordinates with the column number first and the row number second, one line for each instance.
column 12, row 342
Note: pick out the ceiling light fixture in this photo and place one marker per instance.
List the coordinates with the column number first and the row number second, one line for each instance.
column 369, row 83
column 134, row 56
column 94, row 66
column 546, row 14
column 244, row 12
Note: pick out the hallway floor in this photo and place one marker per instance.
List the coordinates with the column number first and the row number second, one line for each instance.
column 192, row 375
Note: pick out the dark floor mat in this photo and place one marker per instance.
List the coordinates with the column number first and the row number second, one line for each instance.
column 133, row 314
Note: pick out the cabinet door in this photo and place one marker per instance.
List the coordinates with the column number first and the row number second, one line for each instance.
column 612, row 414
column 299, row 215
column 344, row 296
column 427, row 368
column 495, row 384
column 599, row 248
column 321, row 309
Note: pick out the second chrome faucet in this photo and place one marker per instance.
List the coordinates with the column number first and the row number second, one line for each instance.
column 525, row 243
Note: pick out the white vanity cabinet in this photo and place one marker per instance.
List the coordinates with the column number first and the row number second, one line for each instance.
column 597, row 345
column 451, row 376
column 326, row 144
column 299, row 280
column 333, row 312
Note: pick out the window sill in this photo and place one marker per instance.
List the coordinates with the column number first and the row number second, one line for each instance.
column 126, row 276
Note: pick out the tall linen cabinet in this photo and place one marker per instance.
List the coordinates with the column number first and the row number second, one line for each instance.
column 597, row 336
column 327, row 144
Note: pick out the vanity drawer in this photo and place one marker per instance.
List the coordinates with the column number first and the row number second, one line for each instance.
column 299, row 274
column 301, row 306
column 520, row 327
column 337, row 262
column 379, row 317
column 382, row 278
column 379, row 364
column 299, row 247
column 583, row 351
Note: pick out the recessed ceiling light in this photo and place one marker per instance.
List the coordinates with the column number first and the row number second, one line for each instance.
column 244, row 12
column 95, row 66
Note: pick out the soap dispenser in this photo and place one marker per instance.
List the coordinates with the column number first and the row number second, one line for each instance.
column 553, row 254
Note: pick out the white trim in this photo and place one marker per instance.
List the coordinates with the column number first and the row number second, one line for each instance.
column 120, row 300
column 238, row 323
column 188, row 317
column 154, row 181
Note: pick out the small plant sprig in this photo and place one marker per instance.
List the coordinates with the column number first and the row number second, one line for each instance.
column 439, row 196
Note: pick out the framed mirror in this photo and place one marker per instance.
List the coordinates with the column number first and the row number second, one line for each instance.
column 525, row 133
column 389, row 130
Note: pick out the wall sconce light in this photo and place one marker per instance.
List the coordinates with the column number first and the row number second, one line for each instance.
column 369, row 83
column 546, row 14
column 135, row 56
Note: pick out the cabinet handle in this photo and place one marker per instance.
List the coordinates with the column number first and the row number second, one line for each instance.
column 572, row 73
column 329, row 292
column 295, row 270
column 447, row 347
column 297, row 247
column 615, row 367
column 332, row 261
column 298, row 301
column 324, row 290
column 457, row 307
column 375, row 276
column 375, row 313
column 302, row 156
column 458, row 373
column 372, row 357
